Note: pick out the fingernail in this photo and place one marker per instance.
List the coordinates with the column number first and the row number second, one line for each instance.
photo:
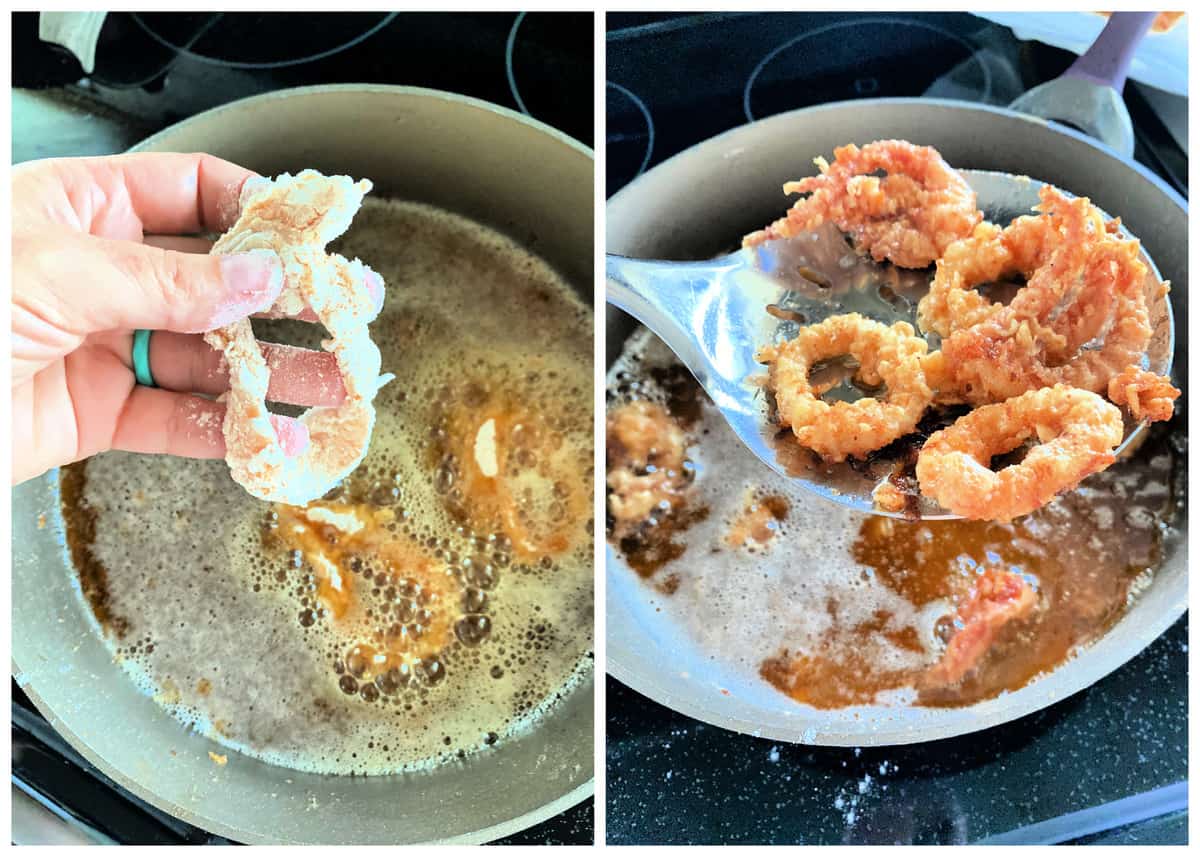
column 375, row 288
column 293, row 435
column 252, row 282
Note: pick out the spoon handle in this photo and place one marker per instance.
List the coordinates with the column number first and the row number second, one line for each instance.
column 1107, row 61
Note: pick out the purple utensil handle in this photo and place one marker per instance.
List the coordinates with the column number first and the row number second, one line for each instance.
column 1107, row 61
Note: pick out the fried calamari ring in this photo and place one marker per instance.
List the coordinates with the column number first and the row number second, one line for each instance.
column 890, row 355
column 1077, row 430
column 1014, row 351
column 909, row 216
column 997, row 598
column 294, row 217
column 1050, row 250
column 1148, row 396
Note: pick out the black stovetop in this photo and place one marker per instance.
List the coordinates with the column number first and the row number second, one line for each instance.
column 674, row 80
column 154, row 69
column 158, row 68
column 1107, row 765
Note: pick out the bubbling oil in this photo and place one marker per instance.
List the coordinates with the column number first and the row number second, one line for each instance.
column 435, row 603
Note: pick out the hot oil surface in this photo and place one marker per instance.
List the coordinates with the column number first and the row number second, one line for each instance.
column 839, row 609
column 438, row 601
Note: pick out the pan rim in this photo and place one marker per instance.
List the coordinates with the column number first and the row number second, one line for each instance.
column 867, row 103
column 212, row 825
column 362, row 88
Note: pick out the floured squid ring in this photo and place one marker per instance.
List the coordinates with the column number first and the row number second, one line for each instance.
column 1050, row 250
column 295, row 217
column 1010, row 353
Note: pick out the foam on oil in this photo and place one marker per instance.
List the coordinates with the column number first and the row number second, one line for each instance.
column 741, row 607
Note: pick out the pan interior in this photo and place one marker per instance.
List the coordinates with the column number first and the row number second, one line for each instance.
column 422, row 610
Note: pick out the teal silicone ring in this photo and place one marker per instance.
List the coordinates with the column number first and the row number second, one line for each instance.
column 141, row 358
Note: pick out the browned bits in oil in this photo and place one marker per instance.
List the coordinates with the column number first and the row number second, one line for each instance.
column 784, row 314
column 669, row 585
column 684, row 396
column 81, row 535
column 1085, row 555
column 651, row 549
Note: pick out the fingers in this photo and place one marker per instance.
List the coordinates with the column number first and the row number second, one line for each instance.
column 182, row 243
column 160, row 422
column 93, row 285
column 168, row 193
column 298, row 376
column 374, row 282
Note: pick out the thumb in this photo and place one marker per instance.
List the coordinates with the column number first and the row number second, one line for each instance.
column 128, row 285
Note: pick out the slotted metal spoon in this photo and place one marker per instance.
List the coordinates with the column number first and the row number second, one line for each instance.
column 714, row 315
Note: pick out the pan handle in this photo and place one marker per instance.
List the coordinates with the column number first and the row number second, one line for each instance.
column 1107, row 61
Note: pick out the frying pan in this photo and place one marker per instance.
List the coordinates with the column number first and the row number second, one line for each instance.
column 493, row 165
column 697, row 205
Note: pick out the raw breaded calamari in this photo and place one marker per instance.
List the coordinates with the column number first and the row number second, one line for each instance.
column 295, row 217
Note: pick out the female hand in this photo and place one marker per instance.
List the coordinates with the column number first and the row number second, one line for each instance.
column 92, row 262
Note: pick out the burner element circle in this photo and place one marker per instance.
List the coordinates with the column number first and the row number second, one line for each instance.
column 613, row 141
column 242, row 36
column 508, row 63
column 847, row 59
